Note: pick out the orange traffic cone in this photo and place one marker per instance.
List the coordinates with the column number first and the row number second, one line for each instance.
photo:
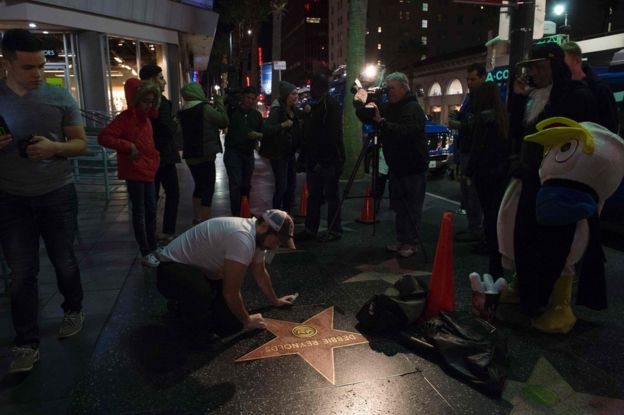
column 441, row 289
column 303, row 201
column 368, row 210
column 244, row 209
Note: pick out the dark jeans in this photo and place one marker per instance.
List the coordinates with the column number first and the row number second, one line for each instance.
column 470, row 199
column 22, row 221
column 239, row 166
column 285, row 183
column 204, row 176
column 490, row 190
column 323, row 185
column 143, row 198
column 407, row 195
column 201, row 299
column 167, row 175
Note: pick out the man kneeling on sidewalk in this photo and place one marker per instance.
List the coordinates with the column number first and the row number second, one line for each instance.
column 203, row 269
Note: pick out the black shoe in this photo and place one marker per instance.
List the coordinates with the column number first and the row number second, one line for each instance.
column 468, row 236
column 330, row 237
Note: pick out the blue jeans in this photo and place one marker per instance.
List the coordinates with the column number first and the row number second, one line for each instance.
column 285, row 183
column 143, row 198
column 23, row 219
column 239, row 166
column 323, row 185
column 407, row 195
column 167, row 176
column 470, row 198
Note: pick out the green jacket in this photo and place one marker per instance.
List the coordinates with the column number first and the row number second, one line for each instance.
column 201, row 122
column 241, row 124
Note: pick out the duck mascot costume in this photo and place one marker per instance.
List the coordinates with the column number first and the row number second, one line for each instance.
column 582, row 165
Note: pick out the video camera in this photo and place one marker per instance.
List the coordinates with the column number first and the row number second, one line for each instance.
column 376, row 95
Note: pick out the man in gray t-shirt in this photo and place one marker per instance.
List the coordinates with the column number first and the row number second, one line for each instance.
column 41, row 128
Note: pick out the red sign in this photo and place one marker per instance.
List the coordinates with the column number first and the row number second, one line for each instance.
column 498, row 3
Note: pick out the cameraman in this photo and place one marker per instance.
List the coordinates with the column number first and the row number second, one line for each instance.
column 401, row 131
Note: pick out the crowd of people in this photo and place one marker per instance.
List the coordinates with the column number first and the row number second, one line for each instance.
column 201, row 270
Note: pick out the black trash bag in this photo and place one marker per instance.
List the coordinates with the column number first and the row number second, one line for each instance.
column 399, row 306
column 470, row 347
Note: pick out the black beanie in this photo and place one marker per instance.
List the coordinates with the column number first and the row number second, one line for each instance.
column 149, row 71
column 285, row 88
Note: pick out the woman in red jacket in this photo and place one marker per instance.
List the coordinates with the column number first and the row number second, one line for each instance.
column 130, row 133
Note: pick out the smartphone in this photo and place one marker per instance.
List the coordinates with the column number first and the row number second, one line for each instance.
column 4, row 128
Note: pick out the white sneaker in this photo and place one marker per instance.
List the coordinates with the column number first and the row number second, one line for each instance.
column 150, row 261
column 393, row 247
column 407, row 251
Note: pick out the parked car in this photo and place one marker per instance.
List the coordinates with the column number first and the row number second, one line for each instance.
column 440, row 144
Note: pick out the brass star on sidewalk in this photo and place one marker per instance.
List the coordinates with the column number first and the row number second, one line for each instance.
column 314, row 340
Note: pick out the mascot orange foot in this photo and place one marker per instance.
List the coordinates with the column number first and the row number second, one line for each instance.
column 583, row 165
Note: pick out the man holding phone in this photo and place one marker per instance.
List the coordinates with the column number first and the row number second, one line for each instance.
column 37, row 194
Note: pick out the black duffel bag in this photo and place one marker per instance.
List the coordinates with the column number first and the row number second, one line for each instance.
column 399, row 306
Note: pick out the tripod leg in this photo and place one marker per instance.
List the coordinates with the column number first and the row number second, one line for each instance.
column 347, row 189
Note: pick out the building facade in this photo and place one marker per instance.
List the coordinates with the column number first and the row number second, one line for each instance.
column 304, row 39
column 402, row 32
column 93, row 46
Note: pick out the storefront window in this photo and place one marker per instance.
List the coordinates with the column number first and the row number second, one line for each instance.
column 60, row 68
column 126, row 57
column 123, row 65
column 153, row 54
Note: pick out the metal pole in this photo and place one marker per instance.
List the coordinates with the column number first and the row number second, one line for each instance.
column 520, row 37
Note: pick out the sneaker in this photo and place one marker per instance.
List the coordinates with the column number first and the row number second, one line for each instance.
column 407, row 250
column 150, row 261
column 24, row 358
column 159, row 251
column 330, row 237
column 393, row 247
column 72, row 324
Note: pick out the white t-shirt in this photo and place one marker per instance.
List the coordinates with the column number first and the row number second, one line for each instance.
column 208, row 244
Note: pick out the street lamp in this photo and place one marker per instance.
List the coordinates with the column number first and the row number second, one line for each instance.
column 560, row 9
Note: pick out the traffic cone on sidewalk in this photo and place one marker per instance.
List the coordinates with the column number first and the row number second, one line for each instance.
column 244, row 209
column 441, row 294
column 368, row 210
column 303, row 201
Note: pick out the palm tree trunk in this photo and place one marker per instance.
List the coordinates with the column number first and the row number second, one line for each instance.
column 355, row 62
column 277, row 51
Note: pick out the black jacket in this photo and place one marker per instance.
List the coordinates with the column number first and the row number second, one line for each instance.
column 164, row 129
column 402, row 135
column 570, row 99
column 323, row 138
column 605, row 101
column 488, row 154
column 280, row 143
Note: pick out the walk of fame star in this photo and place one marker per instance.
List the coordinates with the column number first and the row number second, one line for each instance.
column 389, row 271
column 314, row 340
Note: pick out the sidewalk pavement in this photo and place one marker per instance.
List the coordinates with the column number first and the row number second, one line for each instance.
column 133, row 357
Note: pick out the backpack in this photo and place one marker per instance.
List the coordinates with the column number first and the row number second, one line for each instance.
column 399, row 306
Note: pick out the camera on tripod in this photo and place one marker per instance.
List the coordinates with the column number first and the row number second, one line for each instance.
column 376, row 95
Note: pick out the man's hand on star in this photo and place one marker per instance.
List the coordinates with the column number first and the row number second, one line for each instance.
column 255, row 321
column 286, row 300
